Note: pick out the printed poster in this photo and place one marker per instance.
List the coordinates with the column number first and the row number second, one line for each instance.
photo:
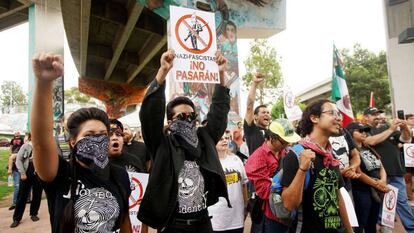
column 292, row 110
column 388, row 207
column 139, row 183
column 409, row 154
column 193, row 38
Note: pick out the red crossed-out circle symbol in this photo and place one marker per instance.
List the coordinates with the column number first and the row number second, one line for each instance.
column 410, row 151
column 183, row 21
column 390, row 200
column 136, row 199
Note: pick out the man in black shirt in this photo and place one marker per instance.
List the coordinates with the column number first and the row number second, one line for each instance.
column 186, row 176
column 257, row 121
column 322, row 203
column 384, row 140
column 136, row 148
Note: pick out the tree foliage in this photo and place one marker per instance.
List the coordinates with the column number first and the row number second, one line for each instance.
column 12, row 94
column 73, row 95
column 263, row 58
column 366, row 71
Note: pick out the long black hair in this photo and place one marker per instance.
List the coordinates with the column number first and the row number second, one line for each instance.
column 305, row 125
column 74, row 123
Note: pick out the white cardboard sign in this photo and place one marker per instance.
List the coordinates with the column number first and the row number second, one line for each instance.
column 139, row 183
column 388, row 207
column 409, row 154
column 292, row 110
column 193, row 38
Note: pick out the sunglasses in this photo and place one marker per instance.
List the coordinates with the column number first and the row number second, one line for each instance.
column 186, row 116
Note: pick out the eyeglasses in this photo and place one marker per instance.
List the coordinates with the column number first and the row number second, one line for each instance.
column 333, row 112
column 186, row 116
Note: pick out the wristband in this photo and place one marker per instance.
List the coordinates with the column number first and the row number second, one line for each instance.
column 304, row 170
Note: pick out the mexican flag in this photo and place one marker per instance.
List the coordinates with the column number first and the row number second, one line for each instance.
column 340, row 93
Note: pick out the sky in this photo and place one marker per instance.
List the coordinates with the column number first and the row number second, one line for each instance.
column 305, row 46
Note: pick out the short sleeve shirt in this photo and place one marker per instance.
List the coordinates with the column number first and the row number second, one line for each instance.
column 98, row 204
column 320, row 203
column 390, row 154
column 137, row 149
column 223, row 217
column 254, row 136
column 370, row 165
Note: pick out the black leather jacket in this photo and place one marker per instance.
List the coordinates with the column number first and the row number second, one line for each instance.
column 160, row 198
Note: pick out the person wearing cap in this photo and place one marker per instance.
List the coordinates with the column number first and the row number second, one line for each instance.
column 116, row 154
column 322, row 204
column 372, row 177
column 262, row 166
column 385, row 140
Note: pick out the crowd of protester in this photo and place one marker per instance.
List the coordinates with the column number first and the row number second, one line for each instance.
column 207, row 177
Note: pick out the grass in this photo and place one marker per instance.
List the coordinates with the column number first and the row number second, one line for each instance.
column 4, row 189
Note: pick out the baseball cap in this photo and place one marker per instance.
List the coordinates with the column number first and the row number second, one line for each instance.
column 284, row 129
column 115, row 124
column 358, row 126
column 371, row 110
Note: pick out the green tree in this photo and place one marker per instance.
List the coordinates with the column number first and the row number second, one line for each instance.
column 366, row 71
column 12, row 94
column 263, row 59
column 73, row 95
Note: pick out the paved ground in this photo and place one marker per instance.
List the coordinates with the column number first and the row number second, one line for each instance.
column 27, row 226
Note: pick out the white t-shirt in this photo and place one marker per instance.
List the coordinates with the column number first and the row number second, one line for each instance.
column 225, row 218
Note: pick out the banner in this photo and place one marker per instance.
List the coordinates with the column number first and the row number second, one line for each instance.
column 389, row 205
column 292, row 110
column 193, row 38
column 139, row 183
column 409, row 154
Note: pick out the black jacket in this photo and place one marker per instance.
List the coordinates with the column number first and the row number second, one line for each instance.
column 160, row 198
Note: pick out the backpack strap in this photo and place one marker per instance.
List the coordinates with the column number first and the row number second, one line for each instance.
column 297, row 149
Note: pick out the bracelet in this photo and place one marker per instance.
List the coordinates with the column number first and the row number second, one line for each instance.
column 304, row 170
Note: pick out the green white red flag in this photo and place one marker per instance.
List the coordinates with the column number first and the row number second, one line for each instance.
column 340, row 94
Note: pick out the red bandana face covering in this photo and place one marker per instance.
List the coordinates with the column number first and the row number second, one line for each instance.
column 93, row 152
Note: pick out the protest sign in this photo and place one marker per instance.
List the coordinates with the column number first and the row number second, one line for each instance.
column 193, row 38
column 139, row 183
column 388, row 207
column 409, row 154
column 292, row 110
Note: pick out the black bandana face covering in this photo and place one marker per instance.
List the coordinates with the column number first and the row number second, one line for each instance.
column 93, row 152
column 186, row 133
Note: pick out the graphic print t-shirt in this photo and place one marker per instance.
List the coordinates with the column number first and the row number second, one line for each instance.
column 98, row 204
column 223, row 217
column 192, row 200
column 370, row 165
column 320, row 202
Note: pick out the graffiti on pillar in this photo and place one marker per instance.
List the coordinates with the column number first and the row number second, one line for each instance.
column 58, row 104
column 116, row 97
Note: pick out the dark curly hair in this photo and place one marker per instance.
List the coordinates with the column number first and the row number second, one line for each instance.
column 305, row 125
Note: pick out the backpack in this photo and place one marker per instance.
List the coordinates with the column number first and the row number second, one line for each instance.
column 275, row 200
